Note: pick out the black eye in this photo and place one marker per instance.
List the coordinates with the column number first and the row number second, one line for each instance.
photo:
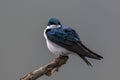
column 59, row 23
column 52, row 23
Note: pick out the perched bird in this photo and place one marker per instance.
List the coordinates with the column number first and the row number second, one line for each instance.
column 63, row 40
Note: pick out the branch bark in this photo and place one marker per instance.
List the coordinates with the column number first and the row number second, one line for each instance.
column 46, row 69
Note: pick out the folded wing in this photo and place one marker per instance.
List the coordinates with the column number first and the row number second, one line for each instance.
column 69, row 39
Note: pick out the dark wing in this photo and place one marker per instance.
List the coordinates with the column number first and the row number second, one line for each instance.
column 69, row 39
column 90, row 51
column 96, row 56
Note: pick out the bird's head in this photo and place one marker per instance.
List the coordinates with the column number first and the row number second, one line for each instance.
column 54, row 23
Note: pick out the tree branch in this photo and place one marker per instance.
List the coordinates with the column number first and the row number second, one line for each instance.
column 46, row 69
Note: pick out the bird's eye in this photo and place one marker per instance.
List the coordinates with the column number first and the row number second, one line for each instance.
column 59, row 23
column 52, row 23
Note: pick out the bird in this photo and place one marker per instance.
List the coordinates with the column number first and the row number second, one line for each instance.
column 62, row 41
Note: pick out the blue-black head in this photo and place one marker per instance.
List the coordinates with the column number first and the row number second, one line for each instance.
column 54, row 21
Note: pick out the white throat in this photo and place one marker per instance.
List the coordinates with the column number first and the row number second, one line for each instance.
column 53, row 26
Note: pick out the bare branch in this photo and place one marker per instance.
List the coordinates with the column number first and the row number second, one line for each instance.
column 46, row 69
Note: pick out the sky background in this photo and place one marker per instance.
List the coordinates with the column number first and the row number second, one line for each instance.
column 23, row 47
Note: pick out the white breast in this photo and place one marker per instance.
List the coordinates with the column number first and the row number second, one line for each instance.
column 54, row 48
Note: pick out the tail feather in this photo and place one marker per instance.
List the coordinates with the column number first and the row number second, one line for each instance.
column 86, row 61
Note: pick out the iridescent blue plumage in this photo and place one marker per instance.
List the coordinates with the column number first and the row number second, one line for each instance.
column 53, row 21
column 66, row 39
column 62, row 34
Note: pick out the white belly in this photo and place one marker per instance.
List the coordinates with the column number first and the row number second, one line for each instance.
column 56, row 49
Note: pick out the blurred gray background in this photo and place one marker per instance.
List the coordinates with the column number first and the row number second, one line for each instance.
column 23, row 47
